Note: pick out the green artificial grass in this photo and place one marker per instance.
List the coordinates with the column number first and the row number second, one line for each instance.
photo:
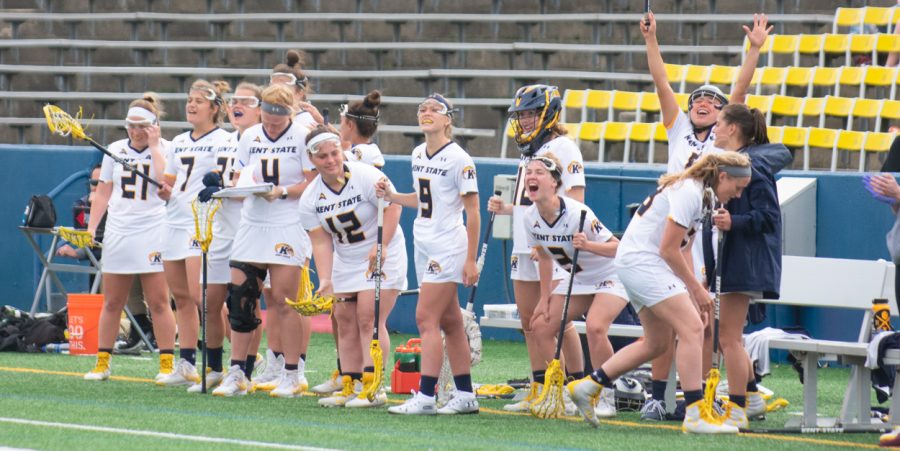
column 140, row 405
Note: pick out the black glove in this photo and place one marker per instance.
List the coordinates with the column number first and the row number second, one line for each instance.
column 213, row 183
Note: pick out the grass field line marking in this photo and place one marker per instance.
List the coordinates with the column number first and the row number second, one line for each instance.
column 783, row 438
column 167, row 435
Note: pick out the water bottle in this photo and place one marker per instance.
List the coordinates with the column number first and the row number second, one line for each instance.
column 881, row 318
column 56, row 348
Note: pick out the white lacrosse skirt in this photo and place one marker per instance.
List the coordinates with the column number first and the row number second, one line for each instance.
column 354, row 276
column 276, row 245
column 179, row 244
column 132, row 253
column 217, row 259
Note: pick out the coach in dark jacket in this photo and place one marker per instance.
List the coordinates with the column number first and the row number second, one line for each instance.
column 751, row 257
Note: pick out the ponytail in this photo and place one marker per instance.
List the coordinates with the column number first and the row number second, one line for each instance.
column 706, row 169
column 751, row 123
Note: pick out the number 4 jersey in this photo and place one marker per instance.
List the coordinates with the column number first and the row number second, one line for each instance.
column 555, row 237
column 134, row 205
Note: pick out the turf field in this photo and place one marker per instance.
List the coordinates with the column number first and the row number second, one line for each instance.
column 61, row 411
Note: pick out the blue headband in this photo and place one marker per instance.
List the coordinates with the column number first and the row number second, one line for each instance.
column 736, row 171
column 277, row 110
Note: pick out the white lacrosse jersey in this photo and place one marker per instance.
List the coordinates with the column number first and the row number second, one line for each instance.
column 681, row 202
column 684, row 147
column 350, row 215
column 189, row 160
column 440, row 182
column 134, row 204
column 366, row 153
column 569, row 155
column 555, row 237
column 279, row 160
column 225, row 223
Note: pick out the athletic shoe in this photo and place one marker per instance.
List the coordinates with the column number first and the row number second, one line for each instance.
column 698, row 421
column 234, row 383
column 891, row 439
column 290, row 385
column 654, row 410
column 417, row 404
column 606, row 405
column 271, row 376
column 101, row 369
column 736, row 416
column 462, row 403
column 584, row 393
column 362, row 402
column 524, row 405
column 185, row 374
column 570, row 409
column 330, row 386
column 756, row 406
column 166, row 366
column 349, row 392
column 212, row 379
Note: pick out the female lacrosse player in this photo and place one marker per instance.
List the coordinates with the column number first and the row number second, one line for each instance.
column 751, row 257
column 551, row 227
column 445, row 184
column 359, row 123
column 534, row 116
column 691, row 136
column 339, row 209
column 269, row 238
column 243, row 112
column 132, row 241
column 653, row 261
column 290, row 73
column 193, row 155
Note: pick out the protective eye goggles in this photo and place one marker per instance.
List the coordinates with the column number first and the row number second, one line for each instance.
column 315, row 144
column 136, row 125
column 444, row 106
column 210, row 94
column 344, row 111
column 247, row 101
column 287, row 79
column 548, row 163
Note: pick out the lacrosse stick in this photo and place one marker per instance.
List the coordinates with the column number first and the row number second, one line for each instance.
column 372, row 389
column 550, row 403
column 78, row 238
column 309, row 303
column 473, row 332
column 63, row 124
column 647, row 10
column 203, row 233
column 712, row 379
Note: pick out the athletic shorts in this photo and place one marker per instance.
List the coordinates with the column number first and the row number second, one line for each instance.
column 523, row 268
column 611, row 285
column 276, row 245
column 649, row 284
column 440, row 267
column 217, row 261
column 132, row 253
column 179, row 244
column 354, row 276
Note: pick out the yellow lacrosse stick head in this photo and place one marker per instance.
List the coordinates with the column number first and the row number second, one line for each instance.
column 62, row 123
column 308, row 303
column 77, row 238
column 203, row 221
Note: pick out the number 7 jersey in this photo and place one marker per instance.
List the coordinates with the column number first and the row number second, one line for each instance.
column 440, row 182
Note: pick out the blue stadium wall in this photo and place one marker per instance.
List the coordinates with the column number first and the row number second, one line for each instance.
column 850, row 224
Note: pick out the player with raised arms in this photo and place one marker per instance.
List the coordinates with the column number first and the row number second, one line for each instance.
column 132, row 241
column 654, row 262
column 445, row 185
column 269, row 238
column 339, row 209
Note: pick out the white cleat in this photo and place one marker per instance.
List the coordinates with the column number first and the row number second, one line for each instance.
column 348, row 392
column 234, row 383
column 736, row 416
column 330, row 386
column 698, row 421
column 184, row 374
column 290, row 385
column 101, row 369
column 756, row 406
column 361, row 402
column 213, row 378
column 524, row 404
column 606, row 404
column 417, row 404
column 584, row 393
column 271, row 376
column 462, row 403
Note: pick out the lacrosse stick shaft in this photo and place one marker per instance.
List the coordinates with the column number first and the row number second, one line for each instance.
column 124, row 163
column 719, row 247
column 816, row 430
column 203, row 328
column 565, row 311
column 378, row 251
column 470, row 304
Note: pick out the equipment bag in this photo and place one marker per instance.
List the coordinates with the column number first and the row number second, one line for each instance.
column 40, row 212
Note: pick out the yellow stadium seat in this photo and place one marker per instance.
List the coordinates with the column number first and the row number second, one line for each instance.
column 890, row 110
column 509, row 130
column 811, row 44
column 574, row 99
column 838, row 106
column 675, row 73
column 813, row 106
column 644, row 132
column 878, row 16
column 785, row 106
column 826, row 76
column 722, row 75
column 887, row 42
column 850, row 141
column 775, row 134
column 866, row 108
column 862, row 43
column 590, row 131
column 784, row 44
column 836, row 43
column 884, row 77
column 682, row 99
column 696, row 75
column 823, row 138
column 798, row 77
column 850, row 76
column 599, row 100
column 771, row 77
column 626, row 101
column 650, row 102
column 878, row 142
column 614, row 132
column 847, row 17
column 571, row 128
column 794, row 137
column 659, row 133
column 761, row 103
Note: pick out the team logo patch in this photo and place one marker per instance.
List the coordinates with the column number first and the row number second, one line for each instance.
column 370, row 276
column 357, row 154
column 514, row 262
column 284, row 250
column 433, row 268
column 537, row 225
column 596, row 227
column 469, row 172
column 575, row 168
column 322, row 196
column 605, row 284
column 257, row 140
column 194, row 244
column 155, row 258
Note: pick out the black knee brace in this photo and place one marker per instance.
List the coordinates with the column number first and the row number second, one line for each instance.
column 242, row 298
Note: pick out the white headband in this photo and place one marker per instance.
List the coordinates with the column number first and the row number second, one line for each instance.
column 143, row 113
column 313, row 145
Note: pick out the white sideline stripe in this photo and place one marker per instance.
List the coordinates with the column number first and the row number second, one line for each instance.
column 168, row 435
